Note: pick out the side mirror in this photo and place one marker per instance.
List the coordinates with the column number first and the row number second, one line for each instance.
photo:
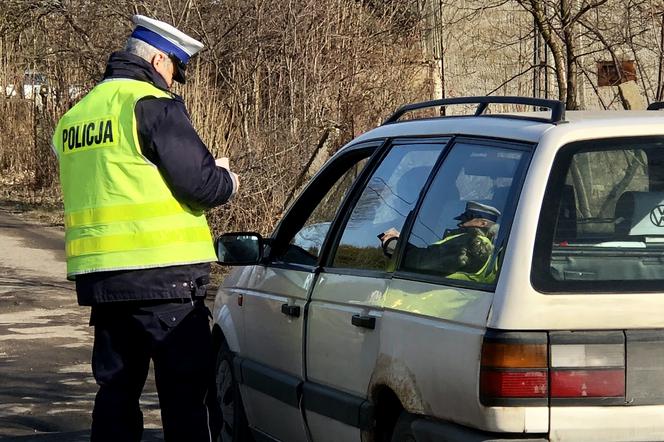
column 243, row 248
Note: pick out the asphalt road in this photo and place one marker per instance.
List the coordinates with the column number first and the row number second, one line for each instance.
column 46, row 384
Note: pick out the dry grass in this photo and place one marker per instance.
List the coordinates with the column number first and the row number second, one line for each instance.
column 276, row 79
column 43, row 206
column 278, row 84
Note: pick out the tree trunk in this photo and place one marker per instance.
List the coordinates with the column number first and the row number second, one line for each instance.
column 544, row 26
column 571, row 99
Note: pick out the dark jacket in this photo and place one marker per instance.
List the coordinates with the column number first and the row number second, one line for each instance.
column 168, row 140
column 461, row 250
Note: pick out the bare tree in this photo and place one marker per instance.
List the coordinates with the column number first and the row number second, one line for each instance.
column 282, row 84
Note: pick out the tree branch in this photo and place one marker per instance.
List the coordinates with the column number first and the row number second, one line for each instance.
column 514, row 77
column 584, row 10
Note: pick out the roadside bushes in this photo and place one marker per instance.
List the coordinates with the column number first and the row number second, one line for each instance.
column 279, row 84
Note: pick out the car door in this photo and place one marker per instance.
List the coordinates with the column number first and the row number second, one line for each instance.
column 344, row 314
column 270, row 366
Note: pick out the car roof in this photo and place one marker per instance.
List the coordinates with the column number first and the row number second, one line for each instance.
column 519, row 126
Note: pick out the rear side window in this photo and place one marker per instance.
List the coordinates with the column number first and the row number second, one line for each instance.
column 601, row 228
column 465, row 214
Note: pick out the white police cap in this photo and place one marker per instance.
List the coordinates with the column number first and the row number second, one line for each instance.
column 178, row 45
column 479, row 210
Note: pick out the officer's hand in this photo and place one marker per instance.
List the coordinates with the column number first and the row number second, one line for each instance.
column 388, row 234
column 223, row 162
column 388, row 241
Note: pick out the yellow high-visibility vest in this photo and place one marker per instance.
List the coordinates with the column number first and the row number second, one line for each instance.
column 119, row 212
column 478, row 276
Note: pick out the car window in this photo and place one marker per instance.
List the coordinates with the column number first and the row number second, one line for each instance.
column 602, row 224
column 455, row 233
column 389, row 196
column 305, row 243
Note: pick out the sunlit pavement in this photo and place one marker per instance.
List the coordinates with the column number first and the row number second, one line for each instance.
column 46, row 384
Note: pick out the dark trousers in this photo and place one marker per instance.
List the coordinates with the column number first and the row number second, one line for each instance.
column 176, row 336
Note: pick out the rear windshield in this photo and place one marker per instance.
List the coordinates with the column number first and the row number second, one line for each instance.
column 601, row 228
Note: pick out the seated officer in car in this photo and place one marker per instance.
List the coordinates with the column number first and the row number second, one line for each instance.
column 463, row 253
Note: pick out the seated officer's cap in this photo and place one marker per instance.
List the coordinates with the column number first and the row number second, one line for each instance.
column 478, row 210
column 178, row 45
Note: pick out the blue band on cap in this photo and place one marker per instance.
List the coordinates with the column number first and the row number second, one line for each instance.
column 159, row 42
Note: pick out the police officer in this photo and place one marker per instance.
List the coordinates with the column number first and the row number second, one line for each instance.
column 463, row 253
column 136, row 179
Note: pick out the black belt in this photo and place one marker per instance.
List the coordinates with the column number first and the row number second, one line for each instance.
column 198, row 289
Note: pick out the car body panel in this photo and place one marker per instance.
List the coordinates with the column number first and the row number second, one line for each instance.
column 265, row 290
column 412, row 373
column 227, row 313
column 340, row 355
column 643, row 423
column 320, row 426
column 284, row 422
column 517, row 305
column 448, row 325
column 459, row 305
column 335, row 300
column 275, row 340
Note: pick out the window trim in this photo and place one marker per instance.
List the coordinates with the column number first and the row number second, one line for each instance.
column 339, row 224
column 540, row 274
column 308, row 200
column 363, row 273
column 506, row 227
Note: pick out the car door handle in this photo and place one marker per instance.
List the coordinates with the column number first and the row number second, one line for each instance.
column 364, row 321
column 291, row 310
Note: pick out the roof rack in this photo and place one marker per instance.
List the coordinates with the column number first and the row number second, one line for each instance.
column 656, row 105
column 557, row 107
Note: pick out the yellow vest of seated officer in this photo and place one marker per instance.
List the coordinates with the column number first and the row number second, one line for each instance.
column 119, row 212
column 478, row 276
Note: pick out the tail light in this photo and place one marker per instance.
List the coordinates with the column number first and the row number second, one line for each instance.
column 567, row 368
column 587, row 368
column 514, row 369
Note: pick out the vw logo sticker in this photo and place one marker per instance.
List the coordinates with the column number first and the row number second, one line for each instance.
column 657, row 216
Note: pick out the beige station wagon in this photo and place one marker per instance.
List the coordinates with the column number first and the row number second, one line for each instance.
column 326, row 335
